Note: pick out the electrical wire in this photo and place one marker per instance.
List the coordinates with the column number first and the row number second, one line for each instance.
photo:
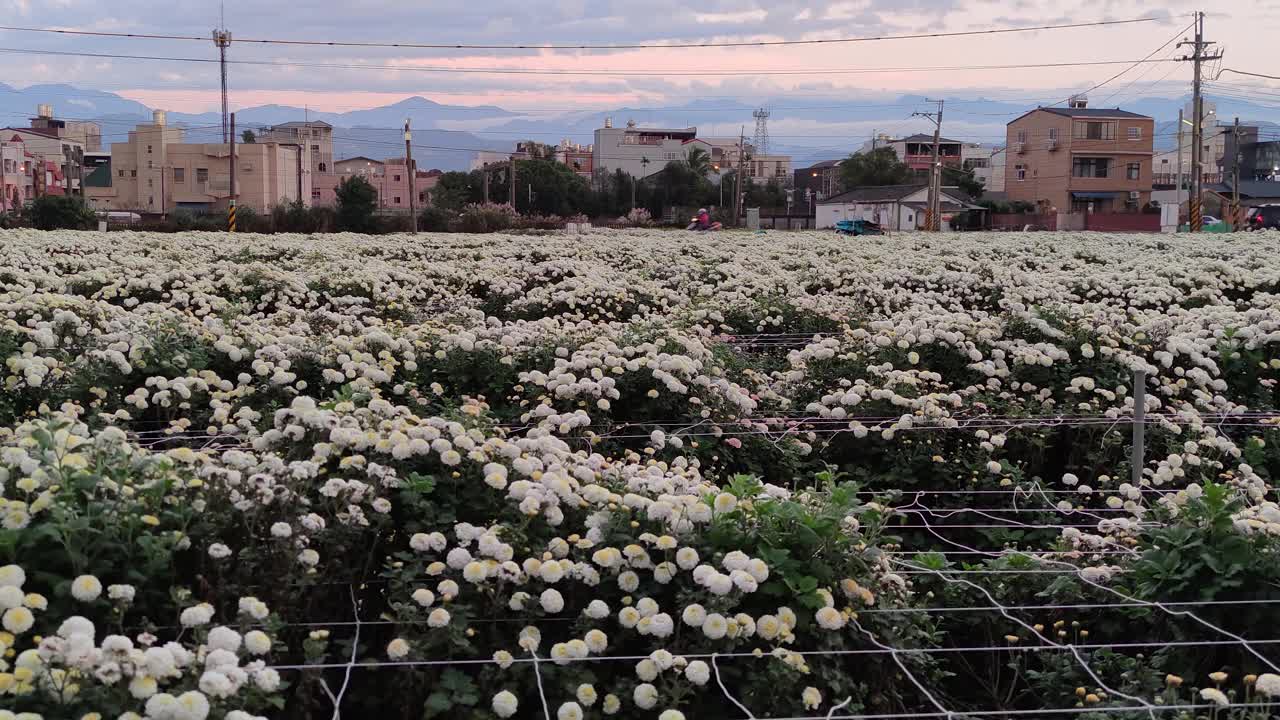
column 602, row 73
column 635, row 46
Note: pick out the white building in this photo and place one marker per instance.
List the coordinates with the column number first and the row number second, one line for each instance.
column 894, row 207
column 639, row 152
column 979, row 159
column 485, row 157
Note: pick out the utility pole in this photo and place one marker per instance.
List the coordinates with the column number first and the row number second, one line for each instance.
column 511, row 189
column 1198, row 58
column 737, row 181
column 1235, row 177
column 1178, row 192
column 222, row 40
column 231, row 201
column 484, row 172
column 931, row 221
column 873, row 139
column 4, row 183
column 408, row 163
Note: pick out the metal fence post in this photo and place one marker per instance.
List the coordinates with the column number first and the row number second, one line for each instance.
column 1139, row 425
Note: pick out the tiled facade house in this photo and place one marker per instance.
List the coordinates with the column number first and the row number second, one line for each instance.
column 1080, row 159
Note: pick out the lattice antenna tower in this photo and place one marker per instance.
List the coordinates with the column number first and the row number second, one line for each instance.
column 761, row 140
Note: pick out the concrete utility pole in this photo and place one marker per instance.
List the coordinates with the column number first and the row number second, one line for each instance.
column 1178, row 189
column 4, row 183
column 408, row 163
column 511, row 189
column 932, row 214
column 1198, row 58
column 222, row 40
column 1235, row 178
column 231, row 200
column 737, row 181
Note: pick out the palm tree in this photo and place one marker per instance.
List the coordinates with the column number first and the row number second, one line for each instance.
column 699, row 161
column 644, row 165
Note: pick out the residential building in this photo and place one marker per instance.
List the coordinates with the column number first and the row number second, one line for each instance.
column 156, row 172
column 15, row 180
column 315, row 137
column 1252, row 192
column 1258, row 159
column 86, row 133
column 639, row 152
column 894, row 207
column 1080, row 159
column 577, row 157
column 481, row 158
column 817, row 182
column 916, row 151
column 65, row 152
column 996, row 181
column 878, row 140
column 390, row 178
column 977, row 157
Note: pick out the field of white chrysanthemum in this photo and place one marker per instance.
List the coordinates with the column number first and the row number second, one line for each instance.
column 634, row 474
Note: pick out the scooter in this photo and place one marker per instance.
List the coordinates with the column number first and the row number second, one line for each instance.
column 693, row 225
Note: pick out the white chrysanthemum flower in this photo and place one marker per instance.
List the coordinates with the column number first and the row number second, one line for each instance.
column 569, row 711
column 697, row 672
column 438, row 618
column 281, row 530
column 597, row 610
column 86, row 588
column 812, row 698
column 829, row 618
column 645, row 696
column 687, row 558
column 715, row 626
column 551, row 600
column 505, row 704
column 398, row 649
column 257, row 642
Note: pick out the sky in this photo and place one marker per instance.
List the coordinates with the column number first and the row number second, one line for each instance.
column 655, row 76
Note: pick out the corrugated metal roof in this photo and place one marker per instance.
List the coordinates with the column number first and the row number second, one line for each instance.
column 874, row 193
column 922, row 138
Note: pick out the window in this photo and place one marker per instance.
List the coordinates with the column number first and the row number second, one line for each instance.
column 149, row 165
column 1135, row 133
column 202, row 175
column 1133, row 171
column 119, row 173
column 322, row 167
column 1090, row 130
column 396, row 178
column 315, row 194
column 148, row 149
column 315, row 148
column 1022, row 136
column 396, row 199
column 1020, row 171
column 422, row 197
column 1086, row 167
column 179, row 174
column 1053, row 133
column 151, row 182
column 133, row 173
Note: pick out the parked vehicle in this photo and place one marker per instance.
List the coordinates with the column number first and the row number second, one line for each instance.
column 858, row 227
column 1264, row 217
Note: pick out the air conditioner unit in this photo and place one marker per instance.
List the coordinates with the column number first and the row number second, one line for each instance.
column 1020, row 148
column 1053, row 144
column 1134, row 195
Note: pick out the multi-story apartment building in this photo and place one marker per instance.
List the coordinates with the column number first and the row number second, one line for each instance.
column 639, row 152
column 156, row 172
column 1080, row 159
column 315, row 137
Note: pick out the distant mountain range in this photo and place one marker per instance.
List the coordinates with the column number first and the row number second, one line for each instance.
column 447, row 136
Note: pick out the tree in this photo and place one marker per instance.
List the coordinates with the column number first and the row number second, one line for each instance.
column 61, row 212
column 357, row 200
column 878, row 167
column 455, row 189
column 248, row 137
column 699, row 161
column 968, row 183
column 549, row 187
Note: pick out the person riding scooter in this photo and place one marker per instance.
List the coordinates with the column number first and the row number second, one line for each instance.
column 703, row 222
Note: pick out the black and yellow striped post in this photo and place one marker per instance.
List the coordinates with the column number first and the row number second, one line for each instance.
column 231, row 217
column 1196, row 214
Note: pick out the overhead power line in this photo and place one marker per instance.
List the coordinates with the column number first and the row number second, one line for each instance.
column 606, row 73
column 1146, row 59
column 1250, row 74
column 635, row 46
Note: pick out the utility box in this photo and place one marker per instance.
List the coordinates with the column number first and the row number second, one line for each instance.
column 1169, row 218
column 753, row 218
